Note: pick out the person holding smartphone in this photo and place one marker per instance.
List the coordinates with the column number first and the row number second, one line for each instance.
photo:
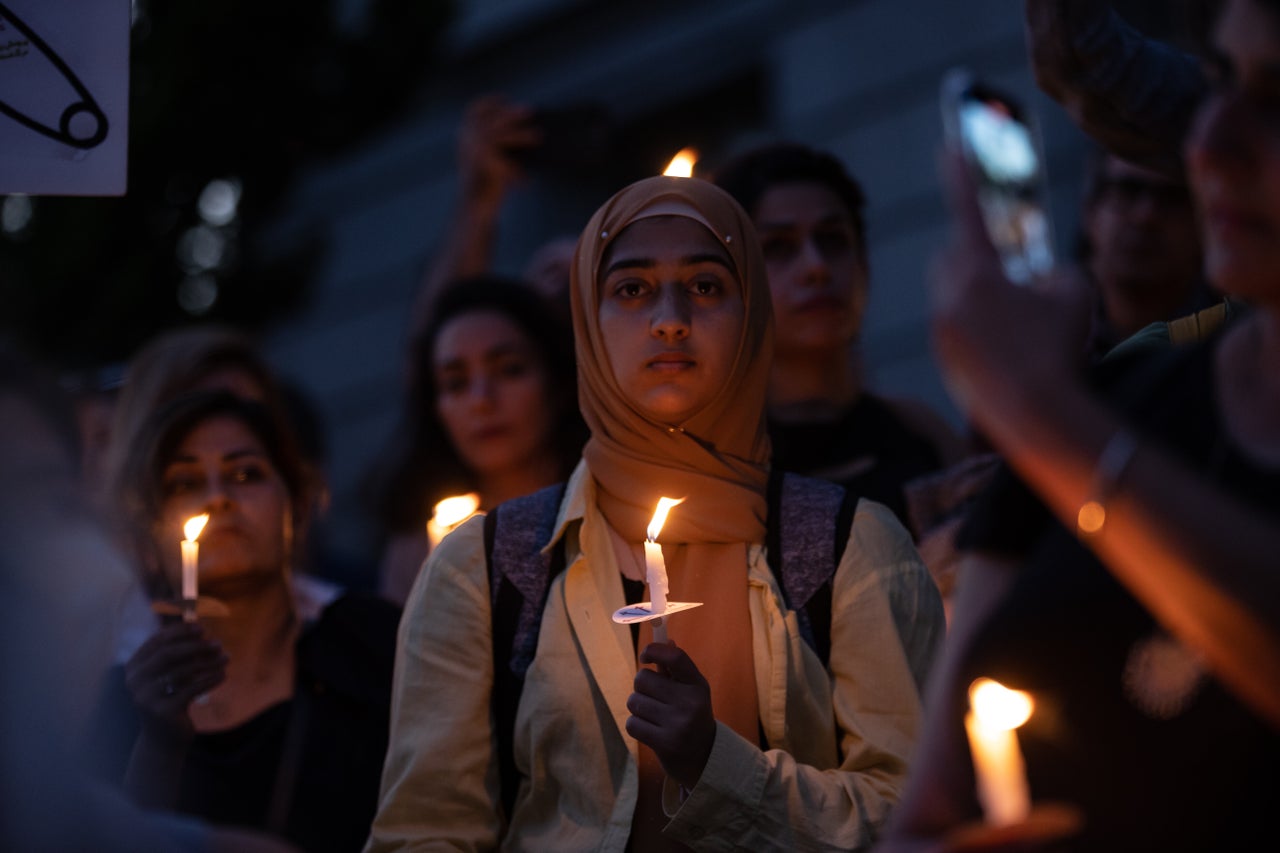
column 1123, row 571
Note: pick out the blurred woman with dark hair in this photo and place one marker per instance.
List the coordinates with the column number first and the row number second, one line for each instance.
column 491, row 409
column 252, row 715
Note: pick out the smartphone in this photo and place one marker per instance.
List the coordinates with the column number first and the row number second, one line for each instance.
column 1001, row 145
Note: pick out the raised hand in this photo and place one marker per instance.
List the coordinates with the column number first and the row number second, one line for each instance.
column 491, row 130
column 998, row 343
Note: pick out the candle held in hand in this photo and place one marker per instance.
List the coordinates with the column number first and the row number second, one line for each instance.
column 656, row 567
column 190, row 565
column 995, row 712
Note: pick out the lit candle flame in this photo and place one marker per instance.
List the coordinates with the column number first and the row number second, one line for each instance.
column 195, row 526
column 448, row 514
column 681, row 165
column 1000, row 774
column 451, row 512
column 660, row 516
column 997, row 707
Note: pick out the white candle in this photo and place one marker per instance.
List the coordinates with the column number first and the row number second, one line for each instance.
column 655, row 575
column 190, row 565
column 448, row 514
column 995, row 714
column 655, row 566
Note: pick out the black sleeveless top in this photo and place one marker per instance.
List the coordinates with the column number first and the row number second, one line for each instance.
column 307, row 769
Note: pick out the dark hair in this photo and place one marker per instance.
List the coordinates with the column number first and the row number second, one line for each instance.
column 749, row 175
column 169, row 425
column 168, row 366
column 422, row 465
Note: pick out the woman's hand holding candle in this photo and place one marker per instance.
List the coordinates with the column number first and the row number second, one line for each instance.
column 671, row 712
column 172, row 669
column 655, row 569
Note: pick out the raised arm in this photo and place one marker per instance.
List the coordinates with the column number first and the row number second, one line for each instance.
column 1201, row 561
column 492, row 128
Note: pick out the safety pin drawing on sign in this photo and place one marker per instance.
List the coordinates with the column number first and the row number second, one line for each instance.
column 35, row 82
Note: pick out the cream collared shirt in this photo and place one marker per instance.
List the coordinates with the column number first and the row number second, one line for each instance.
column 839, row 741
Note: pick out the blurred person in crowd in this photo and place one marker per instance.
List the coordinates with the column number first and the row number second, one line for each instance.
column 1140, row 246
column 1126, row 578
column 1135, row 96
column 492, row 410
column 1140, row 240
column 740, row 736
column 203, row 358
column 62, row 586
column 251, row 715
column 94, row 393
column 823, row 420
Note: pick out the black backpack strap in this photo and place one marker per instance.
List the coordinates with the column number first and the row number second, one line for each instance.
column 519, row 576
column 808, row 528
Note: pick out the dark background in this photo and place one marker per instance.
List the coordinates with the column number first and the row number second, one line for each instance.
column 242, row 91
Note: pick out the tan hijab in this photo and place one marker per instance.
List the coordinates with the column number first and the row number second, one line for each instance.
column 718, row 459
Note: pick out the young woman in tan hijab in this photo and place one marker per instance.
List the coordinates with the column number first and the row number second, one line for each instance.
column 738, row 737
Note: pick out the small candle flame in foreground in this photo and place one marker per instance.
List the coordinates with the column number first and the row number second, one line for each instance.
column 451, row 512
column 995, row 712
column 997, row 707
column 195, row 526
column 448, row 514
column 660, row 516
column 681, row 165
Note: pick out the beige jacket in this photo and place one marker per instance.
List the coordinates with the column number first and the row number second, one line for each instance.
column 839, row 742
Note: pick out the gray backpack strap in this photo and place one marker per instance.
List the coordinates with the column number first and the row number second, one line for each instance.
column 519, row 572
column 809, row 523
column 519, row 575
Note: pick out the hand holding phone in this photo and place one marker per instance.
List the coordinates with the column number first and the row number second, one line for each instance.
column 1000, row 146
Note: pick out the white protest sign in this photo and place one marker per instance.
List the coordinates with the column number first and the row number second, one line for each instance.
column 64, row 96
